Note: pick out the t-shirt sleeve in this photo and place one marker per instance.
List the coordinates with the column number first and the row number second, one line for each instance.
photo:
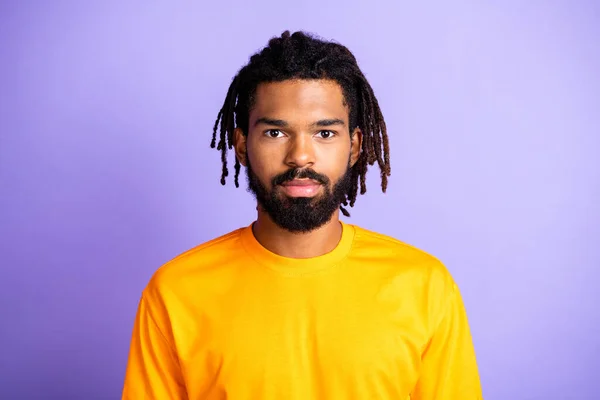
column 449, row 368
column 153, row 370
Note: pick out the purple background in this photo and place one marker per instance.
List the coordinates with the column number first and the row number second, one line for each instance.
column 106, row 173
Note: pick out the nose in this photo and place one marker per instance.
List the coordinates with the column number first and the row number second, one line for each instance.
column 301, row 152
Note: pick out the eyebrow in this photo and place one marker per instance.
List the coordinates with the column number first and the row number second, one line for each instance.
column 273, row 122
column 283, row 124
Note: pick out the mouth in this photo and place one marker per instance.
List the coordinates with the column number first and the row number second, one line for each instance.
column 301, row 188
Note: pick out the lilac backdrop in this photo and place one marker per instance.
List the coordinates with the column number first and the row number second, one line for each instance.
column 105, row 170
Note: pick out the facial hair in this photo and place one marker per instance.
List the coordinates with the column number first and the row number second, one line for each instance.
column 299, row 214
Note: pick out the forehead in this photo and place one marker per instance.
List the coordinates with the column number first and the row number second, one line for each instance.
column 299, row 101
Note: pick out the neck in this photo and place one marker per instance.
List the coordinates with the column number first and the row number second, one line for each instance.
column 297, row 245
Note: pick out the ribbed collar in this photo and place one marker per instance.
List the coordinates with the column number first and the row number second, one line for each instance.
column 298, row 266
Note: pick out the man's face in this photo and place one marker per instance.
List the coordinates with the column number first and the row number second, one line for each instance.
column 298, row 151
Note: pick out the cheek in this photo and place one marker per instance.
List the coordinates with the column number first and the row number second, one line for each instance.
column 263, row 162
column 334, row 160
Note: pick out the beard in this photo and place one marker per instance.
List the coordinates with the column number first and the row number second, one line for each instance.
column 299, row 214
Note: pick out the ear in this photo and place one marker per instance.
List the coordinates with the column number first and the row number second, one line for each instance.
column 239, row 143
column 355, row 145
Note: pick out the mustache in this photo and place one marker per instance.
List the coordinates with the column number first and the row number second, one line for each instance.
column 297, row 173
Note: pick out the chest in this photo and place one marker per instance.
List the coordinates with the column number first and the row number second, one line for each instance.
column 316, row 342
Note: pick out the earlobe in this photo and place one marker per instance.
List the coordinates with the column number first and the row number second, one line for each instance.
column 239, row 143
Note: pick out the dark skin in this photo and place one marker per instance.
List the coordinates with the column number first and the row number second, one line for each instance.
column 298, row 124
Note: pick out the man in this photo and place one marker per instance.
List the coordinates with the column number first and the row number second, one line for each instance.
column 299, row 305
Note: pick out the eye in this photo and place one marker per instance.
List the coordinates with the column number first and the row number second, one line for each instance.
column 326, row 134
column 274, row 133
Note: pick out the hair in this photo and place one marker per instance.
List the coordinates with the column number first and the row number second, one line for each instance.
column 305, row 57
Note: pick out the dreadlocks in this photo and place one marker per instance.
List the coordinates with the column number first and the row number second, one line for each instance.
column 302, row 56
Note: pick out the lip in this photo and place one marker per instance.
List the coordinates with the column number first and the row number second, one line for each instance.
column 301, row 182
column 301, row 188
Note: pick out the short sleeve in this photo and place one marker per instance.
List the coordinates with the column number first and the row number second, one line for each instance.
column 449, row 368
column 153, row 370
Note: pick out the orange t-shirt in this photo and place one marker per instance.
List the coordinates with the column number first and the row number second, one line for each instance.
column 373, row 319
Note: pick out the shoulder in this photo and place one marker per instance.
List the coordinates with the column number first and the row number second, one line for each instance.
column 412, row 271
column 196, row 266
column 403, row 258
column 385, row 246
